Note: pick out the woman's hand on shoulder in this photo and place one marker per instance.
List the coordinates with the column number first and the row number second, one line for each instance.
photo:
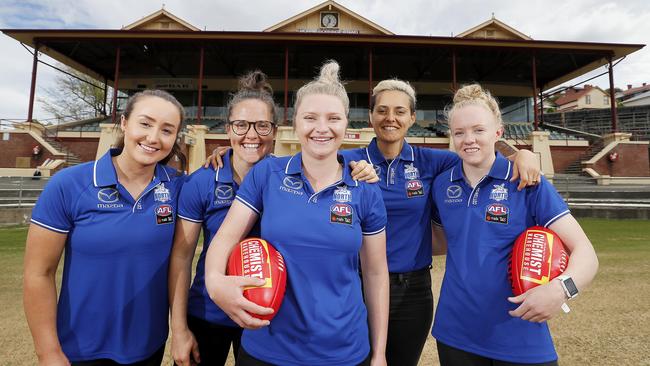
column 215, row 159
column 363, row 171
column 540, row 303
column 227, row 293
column 526, row 168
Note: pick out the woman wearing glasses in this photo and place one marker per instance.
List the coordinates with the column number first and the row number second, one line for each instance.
column 201, row 332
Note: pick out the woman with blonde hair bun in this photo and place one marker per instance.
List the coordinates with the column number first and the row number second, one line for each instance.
column 406, row 175
column 478, row 320
column 323, row 319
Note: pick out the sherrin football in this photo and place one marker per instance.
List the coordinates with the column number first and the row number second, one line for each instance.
column 254, row 257
column 538, row 256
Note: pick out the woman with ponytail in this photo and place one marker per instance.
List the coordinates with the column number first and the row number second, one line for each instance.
column 323, row 319
column 478, row 321
column 201, row 332
column 114, row 218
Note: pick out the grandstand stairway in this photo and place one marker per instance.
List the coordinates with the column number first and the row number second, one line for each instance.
column 576, row 166
column 585, row 199
column 70, row 157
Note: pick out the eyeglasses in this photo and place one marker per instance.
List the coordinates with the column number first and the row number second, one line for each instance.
column 241, row 127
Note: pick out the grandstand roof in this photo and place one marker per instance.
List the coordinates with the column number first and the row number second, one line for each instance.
column 176, row 54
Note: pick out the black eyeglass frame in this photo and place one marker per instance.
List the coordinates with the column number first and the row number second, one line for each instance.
column 254, row 124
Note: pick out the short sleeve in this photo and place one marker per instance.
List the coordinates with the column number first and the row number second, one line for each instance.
column 374, row 218
column 440, row 160
column 192, row 199
column 546, row 203
column 53, row 208
column 250, row 191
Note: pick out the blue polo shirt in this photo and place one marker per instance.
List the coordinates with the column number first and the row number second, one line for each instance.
column 405, row 184
column 323, row 319
column 205, row 198
column 113, row 302
column 481, row 225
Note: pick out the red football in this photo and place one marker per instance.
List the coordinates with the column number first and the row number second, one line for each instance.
column 538, row 256
column 254, row 257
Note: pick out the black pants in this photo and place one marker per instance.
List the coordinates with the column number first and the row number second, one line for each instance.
column 411, row 313
column 450, row 356
column 245, row 359
column 214, row 340
column 153, row 360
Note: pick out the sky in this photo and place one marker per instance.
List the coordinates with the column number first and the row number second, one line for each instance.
column 621, row 21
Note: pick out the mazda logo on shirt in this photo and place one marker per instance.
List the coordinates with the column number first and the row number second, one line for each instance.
column 108, row 195
column 223, row 192
column 454, row 191
column 292, row 183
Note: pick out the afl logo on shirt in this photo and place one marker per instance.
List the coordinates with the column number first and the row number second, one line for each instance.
column 292, row 185
column 223, row 194
column 341, row 213
column 109, row 198
column 497, row 212
column 414, row 188
column 164, row 214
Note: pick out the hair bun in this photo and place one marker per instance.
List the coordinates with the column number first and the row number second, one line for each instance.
column 470, row 92
column 255, row 81
column 329, row 73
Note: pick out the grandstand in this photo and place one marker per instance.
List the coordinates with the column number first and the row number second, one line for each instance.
column 634, row 120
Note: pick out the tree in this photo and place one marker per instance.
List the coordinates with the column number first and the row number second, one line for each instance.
column 75, row 96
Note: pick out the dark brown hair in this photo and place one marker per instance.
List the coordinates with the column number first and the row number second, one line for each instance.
column 130, row 104
column 254, row 85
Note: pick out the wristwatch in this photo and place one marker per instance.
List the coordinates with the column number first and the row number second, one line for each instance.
column 570, row 289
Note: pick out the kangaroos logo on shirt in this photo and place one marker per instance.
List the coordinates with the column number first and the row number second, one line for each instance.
column 411, row 172
column 499, row 192
column 342, row 194
column 161, row 194
column 164, row 214
column 414, row 188
column 341, row 213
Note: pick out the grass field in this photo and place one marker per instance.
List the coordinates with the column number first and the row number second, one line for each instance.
column 609, row 323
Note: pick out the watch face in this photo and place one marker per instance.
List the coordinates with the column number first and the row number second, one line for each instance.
column 329, row 20
column 570, row 287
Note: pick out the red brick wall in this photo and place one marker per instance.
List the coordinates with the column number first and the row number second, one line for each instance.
column 632, row 161
column 84, row 148
column 21, row 145
column 563, row 156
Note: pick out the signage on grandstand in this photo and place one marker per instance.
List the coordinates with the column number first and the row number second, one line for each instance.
column 329, row 30
column 174, row 84
column 353, row 136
